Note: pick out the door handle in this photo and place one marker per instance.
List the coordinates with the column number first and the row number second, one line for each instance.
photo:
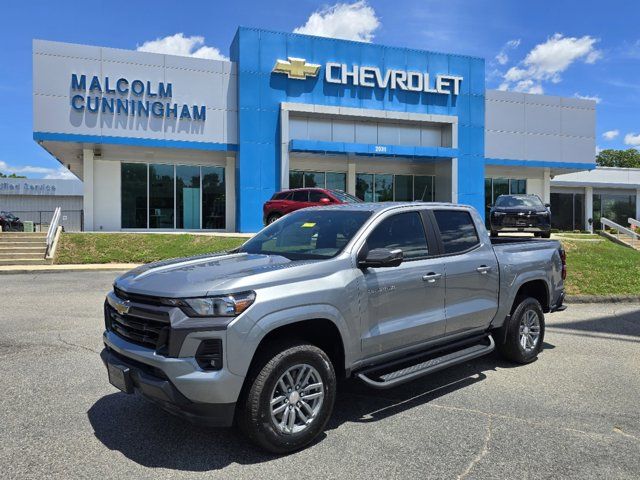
column 483, row 269
column 431, row 277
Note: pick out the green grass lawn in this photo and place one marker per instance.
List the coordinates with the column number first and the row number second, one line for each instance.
column 596, row 266
column 600, row 267
column 135, row 247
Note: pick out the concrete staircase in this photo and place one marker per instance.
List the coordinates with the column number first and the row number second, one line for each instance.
column 17, row 248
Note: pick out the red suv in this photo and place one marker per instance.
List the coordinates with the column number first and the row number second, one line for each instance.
column 289, row 201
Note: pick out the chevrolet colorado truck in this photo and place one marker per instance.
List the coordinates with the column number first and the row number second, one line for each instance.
column 383, row 292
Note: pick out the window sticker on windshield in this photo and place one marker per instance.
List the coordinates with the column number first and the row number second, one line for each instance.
column 308, row 225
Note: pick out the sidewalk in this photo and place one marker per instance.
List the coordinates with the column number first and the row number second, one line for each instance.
column 78, row 267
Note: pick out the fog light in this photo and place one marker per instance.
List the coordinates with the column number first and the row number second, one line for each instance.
column 209, row 354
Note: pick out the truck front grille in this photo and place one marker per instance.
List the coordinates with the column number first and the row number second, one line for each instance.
column 142, row 325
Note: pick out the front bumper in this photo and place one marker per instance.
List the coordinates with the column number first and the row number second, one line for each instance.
column 151, row 383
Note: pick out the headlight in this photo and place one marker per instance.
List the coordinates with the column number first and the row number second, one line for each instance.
column 224, row 306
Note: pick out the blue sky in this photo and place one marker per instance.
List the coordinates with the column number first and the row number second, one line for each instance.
column 568, row 48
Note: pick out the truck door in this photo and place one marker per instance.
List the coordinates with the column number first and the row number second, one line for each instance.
column 472, row 274
column 405, row 304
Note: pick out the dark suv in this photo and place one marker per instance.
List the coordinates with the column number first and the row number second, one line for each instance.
column 289, row 201
column 520, row 213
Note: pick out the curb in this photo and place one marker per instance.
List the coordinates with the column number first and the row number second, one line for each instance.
column 603, row 299
column 79, row 268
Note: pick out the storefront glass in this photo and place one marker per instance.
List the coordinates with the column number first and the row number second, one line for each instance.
column 423, row 188
column 403, row 188
column 133, row 192
column 384, row 188
column 307, row 179
column 617, row 208
column 161, row 194
column 187, row 197
column 364, row 186
column 337, row 181
column 213, row 198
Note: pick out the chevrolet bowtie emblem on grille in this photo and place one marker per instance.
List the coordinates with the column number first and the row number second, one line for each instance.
column 297, row 68
column 121, row 306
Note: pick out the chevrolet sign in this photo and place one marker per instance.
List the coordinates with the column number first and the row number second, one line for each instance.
column 341, row 73
column 296, row 68
column 392, row 79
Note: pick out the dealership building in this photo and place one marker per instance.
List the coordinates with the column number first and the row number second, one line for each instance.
column 166, row 142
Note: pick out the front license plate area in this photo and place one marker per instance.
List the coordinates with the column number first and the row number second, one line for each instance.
column 120, row 377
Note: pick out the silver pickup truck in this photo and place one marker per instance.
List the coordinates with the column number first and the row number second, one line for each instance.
column 383, row 292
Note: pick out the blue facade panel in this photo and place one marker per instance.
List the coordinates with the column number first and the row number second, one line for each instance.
column 260, row 93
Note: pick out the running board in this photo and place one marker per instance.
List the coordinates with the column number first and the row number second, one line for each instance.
column 392, row 379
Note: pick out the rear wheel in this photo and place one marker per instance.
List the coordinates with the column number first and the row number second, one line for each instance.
column 523, row 333
column 545, row 234
column 289, row 400
column 272, row 218
column 494, row 233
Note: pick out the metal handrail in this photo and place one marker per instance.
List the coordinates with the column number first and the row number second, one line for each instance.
column 634, row 237
column 53, row 227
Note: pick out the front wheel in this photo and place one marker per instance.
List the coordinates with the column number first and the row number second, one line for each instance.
column 523, row 333
column 290, row 400
column 545, row 234
column 272, row 218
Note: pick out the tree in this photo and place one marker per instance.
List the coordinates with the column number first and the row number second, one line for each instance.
column 629, row 158
column 12, row 175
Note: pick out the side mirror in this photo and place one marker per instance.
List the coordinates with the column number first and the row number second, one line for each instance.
column 325, row 201
column 548, row 205
column 381, row 257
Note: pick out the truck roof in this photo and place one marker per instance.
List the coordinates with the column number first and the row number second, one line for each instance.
column 380, row 206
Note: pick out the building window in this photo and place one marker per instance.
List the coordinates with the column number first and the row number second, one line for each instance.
column 213, row 198
column 133, row 194
column 161, row 196
column 187, row 197
column 375, row 187
column 307, row 179
column 617, row 208
column 172, row 196
column 567, row 211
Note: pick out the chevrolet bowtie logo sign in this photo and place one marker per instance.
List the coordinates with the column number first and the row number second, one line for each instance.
column 297, row 68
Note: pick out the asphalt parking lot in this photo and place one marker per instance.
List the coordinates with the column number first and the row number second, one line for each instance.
column 574, row 413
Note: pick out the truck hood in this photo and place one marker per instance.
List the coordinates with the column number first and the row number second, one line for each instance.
column 202, row 275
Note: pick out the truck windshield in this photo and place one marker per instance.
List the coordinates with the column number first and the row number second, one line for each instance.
column 308, row 234
column 509, row 201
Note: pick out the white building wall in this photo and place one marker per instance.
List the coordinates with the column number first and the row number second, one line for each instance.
column 106, row 196
column 195, row 81
column 521, row 126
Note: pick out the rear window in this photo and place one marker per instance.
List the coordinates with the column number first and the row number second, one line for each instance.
column 301, row 196
column 457, row 230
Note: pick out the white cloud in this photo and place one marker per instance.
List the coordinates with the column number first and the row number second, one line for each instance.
column 632, row 139
column 503, row 57
column 349, row 21
column 43, row 172
column 611, row 134
column 547, row 61
column 183, row 46
column 595, row 98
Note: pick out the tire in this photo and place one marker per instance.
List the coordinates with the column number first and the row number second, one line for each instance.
column 493, row 233
column 545, row 234
column 255, row 418
column 512, row 348
column 272, row 218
